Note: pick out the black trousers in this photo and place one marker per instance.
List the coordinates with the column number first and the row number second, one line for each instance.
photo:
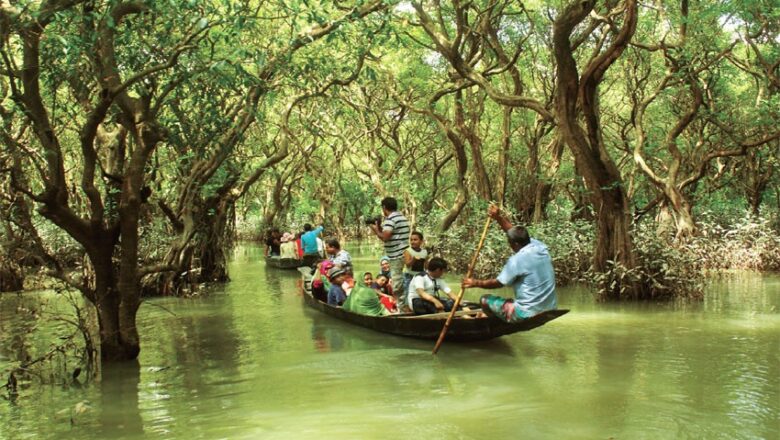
column 423, row 307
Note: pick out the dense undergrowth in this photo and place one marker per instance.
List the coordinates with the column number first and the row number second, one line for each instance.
column 666, row 269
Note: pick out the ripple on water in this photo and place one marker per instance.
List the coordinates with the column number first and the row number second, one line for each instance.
column 249, row 360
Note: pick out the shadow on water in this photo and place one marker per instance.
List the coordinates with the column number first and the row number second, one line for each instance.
column 119, row 409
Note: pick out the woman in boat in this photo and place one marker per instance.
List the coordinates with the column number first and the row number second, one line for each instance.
column 368, row 279
column 382, row 287
column 288, row 248
column 384, row 268
column 365, row 301
column 319, row 283
column 382, row 284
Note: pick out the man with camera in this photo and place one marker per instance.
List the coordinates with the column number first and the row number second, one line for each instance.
column 394, row 232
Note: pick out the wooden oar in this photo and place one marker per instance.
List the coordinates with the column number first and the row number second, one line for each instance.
column 460, row 294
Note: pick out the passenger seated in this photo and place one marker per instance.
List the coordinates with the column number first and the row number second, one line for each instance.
column 288, row 249
column 365, row 301
column 319, row 283
column 272, row 243
column 336, row 294
column 368, row 279
column 384, row 268
column 338, row 256
column 382, row 286
column 425, row 290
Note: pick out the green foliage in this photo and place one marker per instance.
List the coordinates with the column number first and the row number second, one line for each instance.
column 749, row 243
column 664, row 271
column 350, row 145
column 50, row 340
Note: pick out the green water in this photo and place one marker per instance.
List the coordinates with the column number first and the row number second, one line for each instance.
column 250, row 360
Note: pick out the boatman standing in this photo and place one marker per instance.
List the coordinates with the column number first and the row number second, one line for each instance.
column 309, row 243
column 529, row 271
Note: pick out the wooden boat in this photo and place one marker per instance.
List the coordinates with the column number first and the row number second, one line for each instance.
column 429, row 326
column 283, row 263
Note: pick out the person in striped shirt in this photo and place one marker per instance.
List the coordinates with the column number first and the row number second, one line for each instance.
column 394, row 233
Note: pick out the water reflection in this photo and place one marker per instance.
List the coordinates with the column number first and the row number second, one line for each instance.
column 192, row 353
column 120, row 415
column 251, row 360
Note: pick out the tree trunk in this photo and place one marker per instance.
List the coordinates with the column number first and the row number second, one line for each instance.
column 757, row 174
column 118, row 340
column 460, row 202
column 470, row 132
column 525, row 197
column 461, row 161
column 544, row 185
column 582, row 209
column 503, row 156
column 665, row 223
column 541, row 199
column 576, row 97
column 213, row 261
column 683, row 214
column 11, row 275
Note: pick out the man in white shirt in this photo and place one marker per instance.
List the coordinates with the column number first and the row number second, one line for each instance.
column 429, row 293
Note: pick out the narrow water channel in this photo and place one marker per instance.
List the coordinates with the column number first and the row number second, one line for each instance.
column 249, row 360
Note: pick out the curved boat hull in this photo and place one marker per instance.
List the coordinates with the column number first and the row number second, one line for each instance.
column 429, row 326
column 283, row 263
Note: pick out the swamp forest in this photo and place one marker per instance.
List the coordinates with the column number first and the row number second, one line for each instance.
column 147, row 149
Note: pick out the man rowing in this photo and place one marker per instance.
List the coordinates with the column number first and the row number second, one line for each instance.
column 529, row 271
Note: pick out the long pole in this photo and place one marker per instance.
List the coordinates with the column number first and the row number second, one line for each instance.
column 460, row 294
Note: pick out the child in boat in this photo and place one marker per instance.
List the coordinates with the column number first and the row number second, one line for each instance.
column 415, row 258
column 382, row 286
column 336, row 294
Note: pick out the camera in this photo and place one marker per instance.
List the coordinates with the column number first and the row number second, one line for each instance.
column 373, row 221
